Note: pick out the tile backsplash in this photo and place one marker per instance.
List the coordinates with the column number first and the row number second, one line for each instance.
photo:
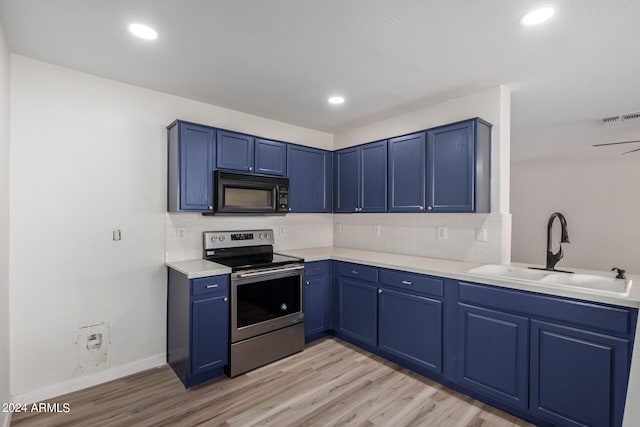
column 410, row 234
column 292, row 231
column 417, row 234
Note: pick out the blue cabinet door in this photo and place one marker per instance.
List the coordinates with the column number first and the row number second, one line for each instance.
column 450, row 168
column 234, row 151
column 407, row 179
column 195, row 147
column 373, row 177
column 410, row 327
column 270, row 157
column 316, row 304
column 210, row 334
column 494, row 349
column 310, row 179
column 347, row 180
column 358, row 307
column 578, row 377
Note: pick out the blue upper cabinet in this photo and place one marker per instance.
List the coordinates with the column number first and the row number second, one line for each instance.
column 270, row 157
column 361, row 178
column 347, row 180
column 458, row 167
column 407, row 181
column 234, row 151
column 245, row 153
column 373, row 177
column 191, row 161
column 310, row 179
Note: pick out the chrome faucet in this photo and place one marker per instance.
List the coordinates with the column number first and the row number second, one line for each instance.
column 553, row 258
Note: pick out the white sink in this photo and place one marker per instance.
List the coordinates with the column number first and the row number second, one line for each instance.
column 574, row 280
column 587, row 281
column 507, row 271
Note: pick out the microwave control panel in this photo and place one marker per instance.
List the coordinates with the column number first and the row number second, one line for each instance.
column 283, row 198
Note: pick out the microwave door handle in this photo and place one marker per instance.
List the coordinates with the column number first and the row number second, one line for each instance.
column 272, row 271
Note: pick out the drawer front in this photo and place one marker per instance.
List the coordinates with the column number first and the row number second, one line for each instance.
column 316, row 268
column 209, row 285
column 358, row 271
column 612, row 319
column 411, row 282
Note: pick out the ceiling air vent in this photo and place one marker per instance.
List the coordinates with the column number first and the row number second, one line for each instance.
column 621, row 118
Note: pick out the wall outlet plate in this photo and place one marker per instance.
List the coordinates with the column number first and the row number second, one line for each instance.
column 441, row 233
column 181, row 233
column 481, row 234
column 376, row 229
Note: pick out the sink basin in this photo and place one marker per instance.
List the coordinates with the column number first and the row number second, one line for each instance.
column 587, row 281
column 575, row 280
column 509, row 272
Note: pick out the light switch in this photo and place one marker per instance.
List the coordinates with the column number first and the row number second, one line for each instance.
column 441, row 233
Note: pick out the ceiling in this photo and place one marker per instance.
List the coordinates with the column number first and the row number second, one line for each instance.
column 282, row 59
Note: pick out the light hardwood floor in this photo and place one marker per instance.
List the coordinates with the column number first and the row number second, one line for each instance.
column 329, row 383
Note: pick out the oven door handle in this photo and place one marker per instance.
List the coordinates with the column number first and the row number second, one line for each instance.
column 267, row 272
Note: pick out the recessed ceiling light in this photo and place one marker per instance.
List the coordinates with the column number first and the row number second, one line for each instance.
column 143, row 31
column 537, row 16
column 336, row 100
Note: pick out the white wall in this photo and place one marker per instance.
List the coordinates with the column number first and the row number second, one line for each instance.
column 416, row 234
column 88, row 155
column 598, row 194
column 4, row 224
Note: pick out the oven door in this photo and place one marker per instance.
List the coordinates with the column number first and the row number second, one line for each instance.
column 265, row 300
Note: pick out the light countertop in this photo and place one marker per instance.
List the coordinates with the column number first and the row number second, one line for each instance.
column 196, row 268
column 457, row 270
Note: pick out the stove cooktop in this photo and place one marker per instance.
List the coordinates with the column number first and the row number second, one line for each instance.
column 251, row 262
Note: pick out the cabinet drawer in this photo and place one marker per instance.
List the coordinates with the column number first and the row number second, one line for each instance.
column 316, row 268
column 212, row 284
column 612, row 319
column 412, row 282
column 358, row 271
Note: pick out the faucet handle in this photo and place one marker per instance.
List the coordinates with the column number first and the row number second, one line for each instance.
column 620, row 273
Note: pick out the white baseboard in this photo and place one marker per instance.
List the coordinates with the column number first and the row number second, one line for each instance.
column 87, row 381
column 5, row 419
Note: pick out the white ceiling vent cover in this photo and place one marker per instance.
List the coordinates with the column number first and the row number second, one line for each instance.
column 619, row 119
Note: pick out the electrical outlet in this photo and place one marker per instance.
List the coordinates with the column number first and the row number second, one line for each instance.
column 339, row 228
column 376, row 229
column 281, row 229
column 117, row 235
column 441, row 233
column 181, row 233
column 481, row 234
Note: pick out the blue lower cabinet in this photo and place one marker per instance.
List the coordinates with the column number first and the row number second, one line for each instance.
column 358, row 310
column 410, row 327
column 494, row 349
column 317, row 298
column 578, row 377
column 197, row 326
column 210, row 340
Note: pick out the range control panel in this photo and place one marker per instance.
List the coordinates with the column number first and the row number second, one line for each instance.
column 236, row 239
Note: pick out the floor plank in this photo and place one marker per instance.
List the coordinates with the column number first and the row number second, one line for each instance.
column 330, row 383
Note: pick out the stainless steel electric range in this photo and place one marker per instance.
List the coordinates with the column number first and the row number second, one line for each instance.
column 267, row 319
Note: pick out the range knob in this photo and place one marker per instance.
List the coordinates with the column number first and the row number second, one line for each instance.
column 268, row 236
column 261, row 236
column 221, row 238
column 214, row 238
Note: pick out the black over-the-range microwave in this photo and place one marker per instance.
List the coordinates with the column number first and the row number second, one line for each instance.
column 251, row 194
